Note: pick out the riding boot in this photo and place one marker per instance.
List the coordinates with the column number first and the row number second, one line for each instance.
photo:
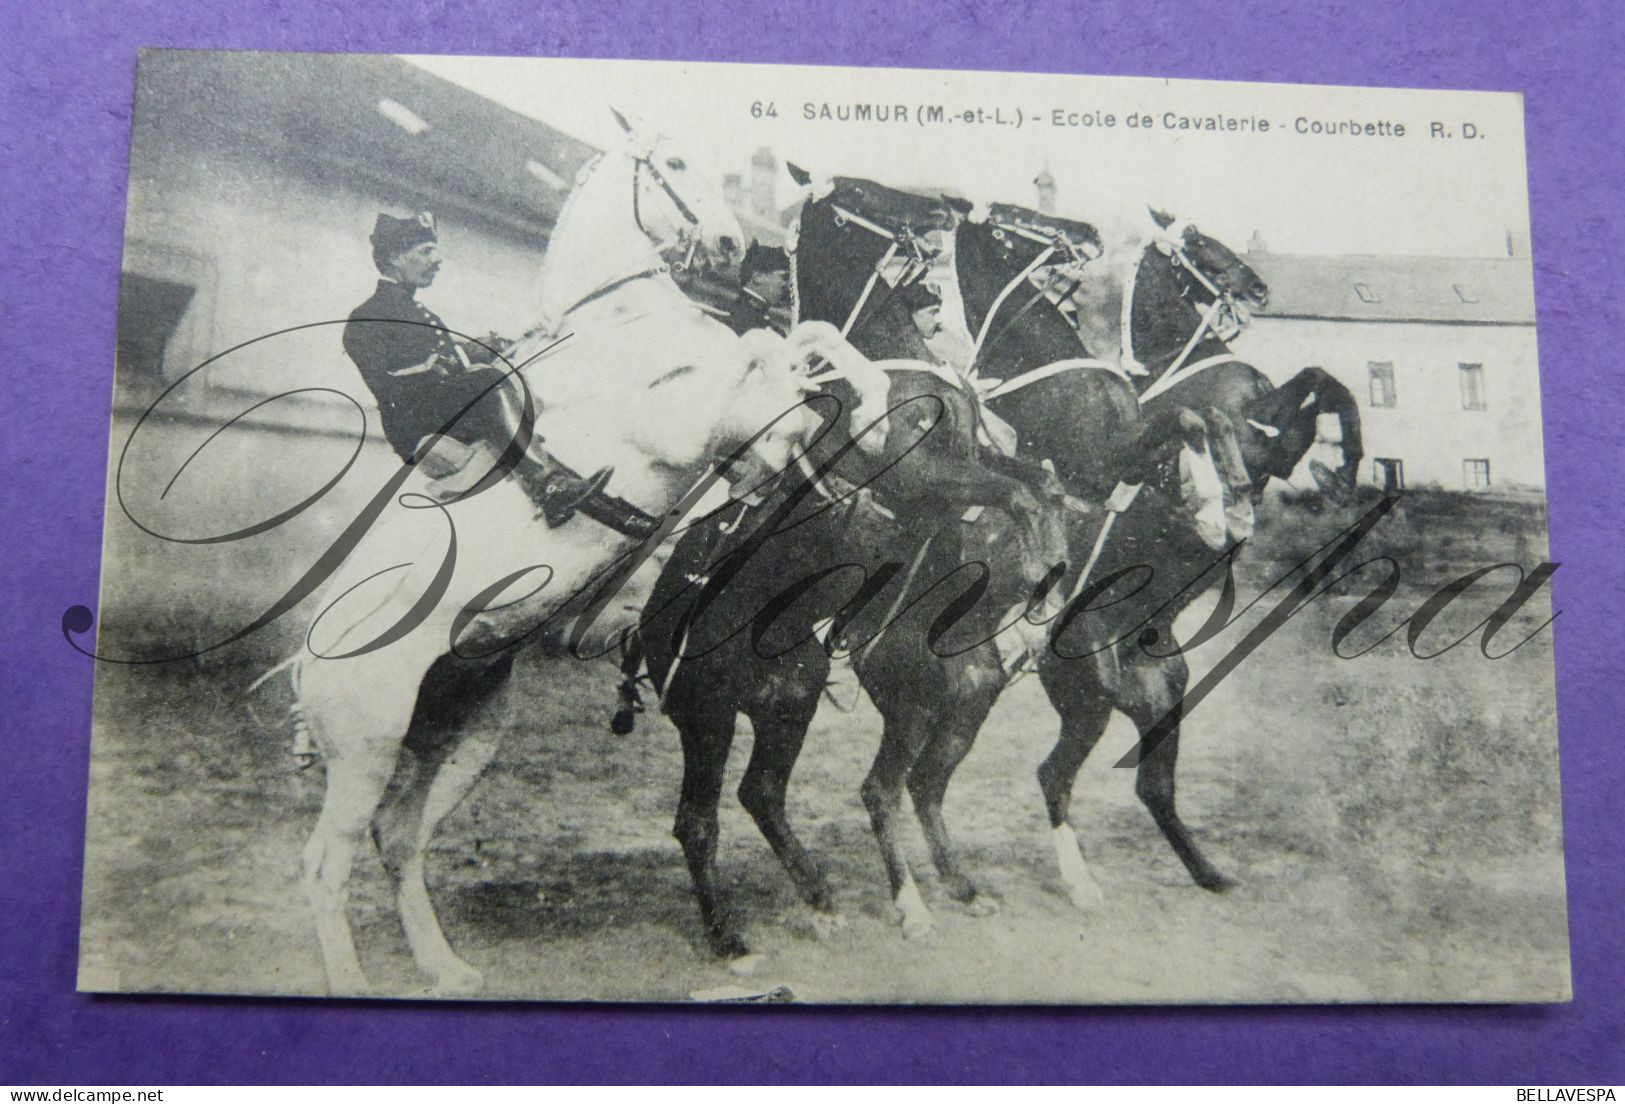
column 559, row 491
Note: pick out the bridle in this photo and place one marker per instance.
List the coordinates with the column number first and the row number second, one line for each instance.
column 1073, row 256
column 687, row 240
column 1223, row 317
column 901, row 238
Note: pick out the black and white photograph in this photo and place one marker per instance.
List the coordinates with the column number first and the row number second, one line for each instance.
column 589, row 530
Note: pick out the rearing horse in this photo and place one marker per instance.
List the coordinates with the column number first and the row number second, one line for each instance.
column 419, row 628
column 787, row 566
column 1081, row 416
column 1163, row 302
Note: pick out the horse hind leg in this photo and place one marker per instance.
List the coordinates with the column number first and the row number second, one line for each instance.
column 706, row 735
column 1153, row 690
column 1084, row 712
column 956, row 729
column 903, row 738
column 780, row 733
column 449, row 759
column 360, row 747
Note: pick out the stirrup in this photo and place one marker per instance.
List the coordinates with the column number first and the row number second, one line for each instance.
column 564, row 492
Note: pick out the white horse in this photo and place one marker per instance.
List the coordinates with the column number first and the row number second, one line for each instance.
column 628, row 373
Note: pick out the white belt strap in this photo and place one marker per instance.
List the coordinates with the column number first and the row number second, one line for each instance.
column 992, row 312
column 994, row 389
column 874, row 275
column 1174, row 378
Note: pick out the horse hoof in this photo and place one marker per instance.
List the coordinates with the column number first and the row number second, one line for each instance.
column 1086, row 896
column 916, row 927
column 1214, row 882
column 826, row 925
column 728, row 945
column 917, row 923
column 351, row 987
column 461, row 980
column 745, row 965
column 981, row 905
column 1332, row 484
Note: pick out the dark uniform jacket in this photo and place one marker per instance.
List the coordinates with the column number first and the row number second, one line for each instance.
column 390, row 337
column 751, row 312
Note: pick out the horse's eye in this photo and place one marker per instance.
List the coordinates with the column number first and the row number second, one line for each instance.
column 675, row 164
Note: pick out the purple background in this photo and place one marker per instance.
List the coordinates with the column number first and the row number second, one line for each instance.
column 67, row 83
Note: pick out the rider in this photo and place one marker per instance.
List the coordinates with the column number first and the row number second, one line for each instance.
column 764, row 289
column 422, row 379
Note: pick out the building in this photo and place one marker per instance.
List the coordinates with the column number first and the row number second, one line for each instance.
column 1439, row 351
column 254, row 183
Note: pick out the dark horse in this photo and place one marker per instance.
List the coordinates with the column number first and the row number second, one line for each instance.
column 956, row 589
column 733, row 624
column 1032, row 369
column 1187, row 295
column 1115, row 647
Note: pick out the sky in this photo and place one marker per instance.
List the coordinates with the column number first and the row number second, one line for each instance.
column 1455, row 195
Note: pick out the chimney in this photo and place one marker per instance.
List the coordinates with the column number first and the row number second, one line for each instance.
column 1044, row 183
column 764, row 181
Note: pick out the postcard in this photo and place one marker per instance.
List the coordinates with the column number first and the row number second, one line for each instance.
column 633, row 531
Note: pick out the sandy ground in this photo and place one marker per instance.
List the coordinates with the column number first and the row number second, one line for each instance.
column 1393, row 824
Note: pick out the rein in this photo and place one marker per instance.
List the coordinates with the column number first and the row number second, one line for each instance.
column 1179, row 371
column 683, row 209
column 1015, row 281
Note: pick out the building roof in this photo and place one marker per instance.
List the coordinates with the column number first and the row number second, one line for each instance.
column 371, row 117
column 1464, row 290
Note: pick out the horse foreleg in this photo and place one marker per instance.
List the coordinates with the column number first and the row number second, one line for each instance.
column 905, row 734
column 956, row 726
column 706, row 736
column 1151, row 689
column 1331, row 397
column 781, row 729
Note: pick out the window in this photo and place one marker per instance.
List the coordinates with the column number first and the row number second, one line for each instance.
column 149, row 311
column 1389, row 473
column 1382, row 383
column 1472, row 387
column 1475, row 474
column 1366, row 293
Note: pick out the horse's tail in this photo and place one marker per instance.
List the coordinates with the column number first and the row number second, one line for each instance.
column 631, row 696
column 303, row 748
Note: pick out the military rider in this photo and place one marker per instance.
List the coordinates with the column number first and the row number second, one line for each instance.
column 764, row 290
column 422, row 379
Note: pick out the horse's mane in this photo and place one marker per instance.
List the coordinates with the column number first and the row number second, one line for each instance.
column 1104, row 297
column 571, row 202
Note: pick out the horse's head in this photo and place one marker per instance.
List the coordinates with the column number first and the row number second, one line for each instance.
column 680, row 211
column 906, row 218
column 853, row 237
column 891, row 207
column 1024, row 234
column 1210, row 271
column 1192, row 465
